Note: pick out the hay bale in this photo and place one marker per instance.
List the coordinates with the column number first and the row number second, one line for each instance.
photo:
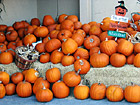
column 110, row 75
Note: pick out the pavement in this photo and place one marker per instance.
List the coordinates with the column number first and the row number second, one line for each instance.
column 16, row 100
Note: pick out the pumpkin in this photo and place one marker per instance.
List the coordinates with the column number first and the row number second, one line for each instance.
column 62, row 17
column 86, row 28
column 56, row 56
column 71, row 78
column 3, row 27
column 77, row 25
column 95, row 30
column 17, row 77
column 40, row 47
column 10, row 28
column 117, row 60
column 132, row 93
column 2, row 90
column 19, row 43
column 136, row 61
column 60, row 89
column 2, row 47
column 136, row 17
column 41, row 31
column 4, row 77
column 82, row 65
column 31, row 75
column 81, row 53
column 64, row 34
column 38, row 84
column 48, row 20
column 94, row 50
column 81, row 92
column 11, row 45
column 67, row 25
column 51, row 27
column 10, row 88
column 29, row 30
column 120, row 39
column 24, row 89
column 78, row 38
column 52, row 45
column 73, row 18
column 80, row 31
column 92, row 23
column 44, row 94
column 53, row 75
column 97, row 91
column 69, row 46
column 29, row 39
column 137, row 48
column 91, row 41
column 6, row 58
column 25, row 23
column 18, row 25
column 57, row 27
column 130, row 59
column 2, row 37
column 46, row 39
column 125, row 47
column 12, row 52
column 114, row 93
column 44, row 57
column 5, row 42
column 54, row 34
column 108, row 47
column 21, row 32
column 11, row 35
column 99, row 60
column 35, row 21
column 67, row 60
column 105, row 35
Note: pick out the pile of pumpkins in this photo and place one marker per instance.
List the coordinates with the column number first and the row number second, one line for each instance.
column 68, row 40
column 27, row 82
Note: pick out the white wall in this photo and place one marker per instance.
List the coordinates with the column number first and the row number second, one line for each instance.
column 17, row 10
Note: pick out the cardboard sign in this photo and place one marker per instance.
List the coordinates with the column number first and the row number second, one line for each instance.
column 118, row 26
column 116, row 34
column 119, row 18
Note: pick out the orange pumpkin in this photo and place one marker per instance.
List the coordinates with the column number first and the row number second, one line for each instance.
column 130, row 59
column 53, row 75
column 95, row 30
column 62, row 17
column 4, row 77
column 44, row 57
column 97, row 91
column 77, row 25
column 29, row 39
column 51, row 27
column 71, row 78
column 67, row 60
column 67, row 25
column 11, row 35
column 73, row 18
column 54, row 34
column 56, row 56
column 29, row 30
column 21, row 32
column 86, row 28
column 18, row 25
column 6, row 58
column 48, row 20
column 19, row 43
column 81, row 53
column 3, row 27
column 46, row 39
column 80, row 31
column 137, row 48
column 91, row 41
column 24, row 89
column 2, row 90
column 41, row 31
column 94, row 50
column 136, row 17
column 2, row 47
column 99, row 60
column 10, row 88
column 2, row 37
column 114, row 93
column 40, row 47
column 38, row 84
column 11, row 45
column 17, row 77
column 105, row 35
column 10, row 28
column 137, row 60
column 60, row 89
column 35, row 21
column 69, row 46
column 108, row 47
column 64, row 34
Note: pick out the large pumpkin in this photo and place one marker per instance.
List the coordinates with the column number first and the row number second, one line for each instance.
column 81, row 53
column 91, row 41
column 114, row 93
column 71, row 78
column 24, row 89
column 97, row 91
column 6, row 58
column 99, row 60
column 69, row 46
column 132, row 93
column 136, row 61
column 60, row 89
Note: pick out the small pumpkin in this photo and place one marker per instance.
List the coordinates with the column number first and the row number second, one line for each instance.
column 64, row 34
column 35, row 21
column 6, row 58
column 67, row 60
column 10, row 88
column 21, row 32
column 80, row 31
column 95, row 30
column 97, row 91
column 136, row 61
column 44, row 94
column 82, row 65
column 51, row 27
column 81, row 91
column 2, row 90
column 67, row 25
column 114, row 93
column 130, row 59
column 31, row 75
column 86, row 28
column 72, row 78
column 44, row 57
column 19, row 43
column 11, row 45
column 94, row 50
column 54, row 34
column 46, row 39
column 24, row 89
column 2, row 37
column 29, row 30
column 77, row 25
column 18, row 25
column 48, row 20
column 62, row 17
column 41, row 31
column 17, row 77
column 3, row 47
column 29, row 39
column 137, row 48
column 11, row 35
column 60, row 89
column 73, row 18
column 105, row 35
column 81, row 53
column 38, row 84
column 3, row 27
column 53, row 75
column 40, row 47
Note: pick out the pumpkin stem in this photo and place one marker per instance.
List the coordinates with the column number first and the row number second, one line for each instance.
column 101, row 23
column 64, row 40
column 59, row 49
column 43, row 86
column 42, row 54
column 81, row 83
column 91, row 40
column 36, row 74
column 116, row 39
column 106, row 39
column 81, row 62
column 49, row 38
column 59, row 81
column 8, row 32
column 2, row 69
column 0, row 82
column 99, row 52
column 78, row 57
column 132, row 83
column 68, row 54
column 99, row 83
column 51, row 65
column 78, row 72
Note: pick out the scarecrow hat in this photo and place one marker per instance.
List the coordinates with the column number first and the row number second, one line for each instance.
column 121, row 5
